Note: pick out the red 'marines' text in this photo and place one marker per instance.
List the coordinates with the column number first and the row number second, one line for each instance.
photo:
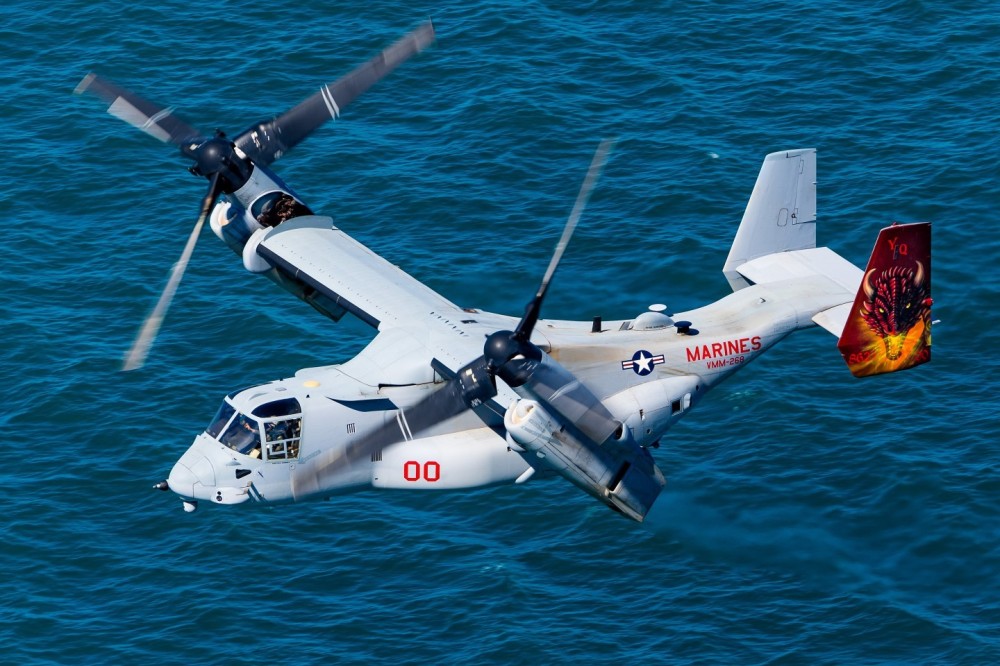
column 724, row 348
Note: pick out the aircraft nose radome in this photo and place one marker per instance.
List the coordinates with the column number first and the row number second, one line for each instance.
column 192, row 476
column 182, row 480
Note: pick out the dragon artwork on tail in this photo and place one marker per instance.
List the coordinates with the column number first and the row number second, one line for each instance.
column 897, row 301
column 890, row 324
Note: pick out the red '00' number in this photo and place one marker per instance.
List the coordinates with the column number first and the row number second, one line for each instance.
column 413, row 471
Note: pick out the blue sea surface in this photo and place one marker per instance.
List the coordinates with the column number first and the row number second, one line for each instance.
column 809, row 517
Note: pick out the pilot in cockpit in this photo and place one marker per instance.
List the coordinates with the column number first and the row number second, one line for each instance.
column 245, row 438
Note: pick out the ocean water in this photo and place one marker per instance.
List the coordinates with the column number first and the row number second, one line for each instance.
column 809, row 517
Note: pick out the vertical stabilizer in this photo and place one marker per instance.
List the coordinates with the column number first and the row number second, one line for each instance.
column 781, row 213
column 889, row 327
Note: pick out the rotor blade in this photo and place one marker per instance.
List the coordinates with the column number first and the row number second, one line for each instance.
column 158, row 122
column 136, row 356
column 563, row 396
column 266, row 142
column 530, row 318
column 448, row 401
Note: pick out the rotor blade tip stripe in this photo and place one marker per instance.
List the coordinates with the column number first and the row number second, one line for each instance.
column 84, row 83
column 331, row 103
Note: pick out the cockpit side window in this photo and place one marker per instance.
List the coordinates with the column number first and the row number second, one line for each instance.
column 220, row 420
column 284, row 407
column 243, row 436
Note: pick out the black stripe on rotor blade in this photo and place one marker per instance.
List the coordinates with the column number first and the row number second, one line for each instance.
column 268, row 141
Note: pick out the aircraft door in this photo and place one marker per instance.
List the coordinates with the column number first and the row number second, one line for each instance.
column 282, row 421
column 282, row 438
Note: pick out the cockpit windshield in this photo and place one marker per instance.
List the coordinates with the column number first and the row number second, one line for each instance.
column 243, row 436
column 221, row 419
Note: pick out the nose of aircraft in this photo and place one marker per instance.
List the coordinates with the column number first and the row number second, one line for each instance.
column 208, row 471
column 193, row 476
column 182, row 480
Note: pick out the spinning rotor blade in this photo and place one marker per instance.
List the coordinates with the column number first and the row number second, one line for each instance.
column 564, row 397
column 519, row 363
column 136, row 356
column 530, row 318
column 158, row 122
column 471, row 384
column 211, row 155
column 268, row 141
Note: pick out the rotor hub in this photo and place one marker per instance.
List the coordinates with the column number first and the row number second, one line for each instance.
column 510, row 357
column 218, row 156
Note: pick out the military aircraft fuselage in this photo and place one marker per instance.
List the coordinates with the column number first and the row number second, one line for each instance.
column 649, row 371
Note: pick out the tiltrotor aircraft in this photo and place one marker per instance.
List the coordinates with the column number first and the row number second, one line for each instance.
column 448, row 397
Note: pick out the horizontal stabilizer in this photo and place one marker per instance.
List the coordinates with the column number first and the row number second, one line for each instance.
column 835, row 319
column 889, row 325
column 799, row 264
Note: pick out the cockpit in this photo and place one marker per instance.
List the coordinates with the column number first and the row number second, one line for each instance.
column 271, row 431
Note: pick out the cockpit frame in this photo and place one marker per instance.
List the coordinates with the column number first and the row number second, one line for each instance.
column 276, row 424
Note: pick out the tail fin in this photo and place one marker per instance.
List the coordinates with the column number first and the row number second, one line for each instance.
column 889, row 328
column 780, row 214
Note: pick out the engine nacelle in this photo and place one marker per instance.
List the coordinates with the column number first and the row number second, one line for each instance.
column 264, row 201
column 232, row 225
column 617, row 472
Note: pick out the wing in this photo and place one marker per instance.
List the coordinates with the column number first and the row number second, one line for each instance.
column 310, row 250
column 417, row 326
